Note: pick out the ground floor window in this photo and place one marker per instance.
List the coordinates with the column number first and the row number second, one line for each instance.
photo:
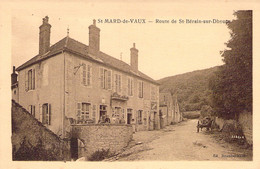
column 31, row 110
column 46, row 113
column 83, row 112
column 140, row 116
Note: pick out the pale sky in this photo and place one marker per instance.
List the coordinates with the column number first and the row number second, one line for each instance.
column 164, row 49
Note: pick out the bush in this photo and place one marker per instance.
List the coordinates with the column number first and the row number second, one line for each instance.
column 100, row 155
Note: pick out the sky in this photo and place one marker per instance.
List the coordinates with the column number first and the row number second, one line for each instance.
column 165, row 49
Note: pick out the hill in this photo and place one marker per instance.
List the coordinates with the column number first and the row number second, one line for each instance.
column 191, row 88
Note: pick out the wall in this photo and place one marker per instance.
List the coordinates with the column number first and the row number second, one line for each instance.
column 246, row 121
column 25, row 128
column 48, row 89
column 102, row 136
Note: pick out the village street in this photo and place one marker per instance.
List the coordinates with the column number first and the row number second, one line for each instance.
column 181, row 142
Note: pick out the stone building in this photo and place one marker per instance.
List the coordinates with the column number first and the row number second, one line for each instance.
column 72, row 83
column 169, row 109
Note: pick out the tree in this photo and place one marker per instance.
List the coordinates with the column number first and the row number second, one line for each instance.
column 232, row 84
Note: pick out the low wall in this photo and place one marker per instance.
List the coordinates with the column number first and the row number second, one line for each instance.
column 33, row 141
column 102, row 136
column 246, row 121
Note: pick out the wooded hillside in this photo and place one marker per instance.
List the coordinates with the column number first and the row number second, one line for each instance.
column 192, row 88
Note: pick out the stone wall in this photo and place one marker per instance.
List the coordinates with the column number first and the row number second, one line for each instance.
column 102, row 136
column 33, row 141
column 246, row 121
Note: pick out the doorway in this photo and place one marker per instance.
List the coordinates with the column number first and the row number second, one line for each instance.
column 102, row 113
column 74, row 148
column 129, row 116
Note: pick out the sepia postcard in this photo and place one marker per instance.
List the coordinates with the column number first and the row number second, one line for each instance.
column 140, row 84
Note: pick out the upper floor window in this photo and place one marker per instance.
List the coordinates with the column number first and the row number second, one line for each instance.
column 30, row 80
column 141, row 89
column 153, row 92
column 46, row 113
column 86, row 74
column 105, row 78
column 130, row 86
column 118, row 83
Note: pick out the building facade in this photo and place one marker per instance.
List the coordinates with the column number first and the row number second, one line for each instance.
column 72, row 83
column 169, row 109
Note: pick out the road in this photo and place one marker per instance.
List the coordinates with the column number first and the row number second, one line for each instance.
column 181, row 142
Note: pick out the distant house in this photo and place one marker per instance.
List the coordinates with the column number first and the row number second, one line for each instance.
column 169, row 109
column 71, row 83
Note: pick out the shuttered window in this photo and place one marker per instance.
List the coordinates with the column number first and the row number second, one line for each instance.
column 118, row 86
column 30, row 80
column 46, row 114
column 130, row 86
column 31, row 110
column 83, row 111
column 86, row 74
column 105, row 78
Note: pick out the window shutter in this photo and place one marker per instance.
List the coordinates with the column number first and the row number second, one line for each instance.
column 78, row 110
column 119, row 83
column 26, row 81
column 101, row 72
column 116, row 88
column 109, row 79
column 128, row 86
column 131, row 87
column 84, row 74
column 89, row 77
column 33, row 78
column 49, row 114
column 40, row 113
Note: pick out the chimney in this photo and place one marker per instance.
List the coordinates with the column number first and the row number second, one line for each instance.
column 44, row 38
column 134, row 58
column 94, row 38
column 13, row 77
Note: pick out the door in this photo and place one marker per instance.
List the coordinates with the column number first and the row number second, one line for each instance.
column 74, row 148
column 129, row 118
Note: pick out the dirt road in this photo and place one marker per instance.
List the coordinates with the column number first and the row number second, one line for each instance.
column 181, row 142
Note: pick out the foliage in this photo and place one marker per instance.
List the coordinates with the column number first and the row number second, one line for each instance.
column 100, row 155
column 232, row 83
column 191, row 114
column 205, row 111
column 28, row 152
column 191, row 88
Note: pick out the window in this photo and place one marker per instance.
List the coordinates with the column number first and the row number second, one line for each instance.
column 139, row 118
column 86, row 74
column 30, row 80
column 83, row 111
column 140, row 89
column 105, row 78
column 118, row 86
column 46, row 114
column 153, row 93
column 32, row 110
column 130, row 86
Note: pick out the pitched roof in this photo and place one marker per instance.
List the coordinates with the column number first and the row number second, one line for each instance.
column 70, row 45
